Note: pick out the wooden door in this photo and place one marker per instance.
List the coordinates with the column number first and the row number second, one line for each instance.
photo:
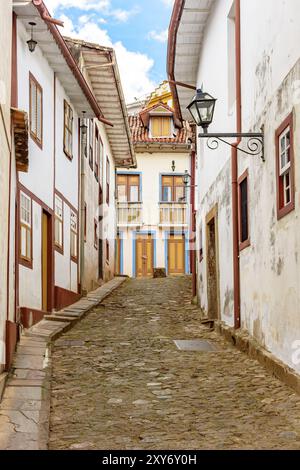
column 45, row 258
column 144, row 256
column 176, row 254
column 212, row 270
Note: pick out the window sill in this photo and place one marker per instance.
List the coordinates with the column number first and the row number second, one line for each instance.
column 245, row 244
column 36, row 141
column 70, row 157
column 26, row 263
column 59, row 249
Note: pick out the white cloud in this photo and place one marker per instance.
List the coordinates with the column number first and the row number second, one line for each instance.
column 161, row 36
column 168, row 3
column 134, row 66
column 93, row 5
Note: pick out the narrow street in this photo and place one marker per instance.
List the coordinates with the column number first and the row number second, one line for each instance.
column 120, row 382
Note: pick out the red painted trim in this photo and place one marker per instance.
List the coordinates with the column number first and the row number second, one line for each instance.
column 45, row 15
column 172, row 42
column 234, row 171
column 282, row 211
column 245, row 243
column 38, row 142
column 50, row 259
column 79, row 215
column 27, row 263
column 17, row 243
column 58, row 248
column 64, row 298
column 65, row 200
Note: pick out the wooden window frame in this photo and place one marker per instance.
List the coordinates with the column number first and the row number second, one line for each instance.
column 33, row 135
column 57, row 246
column 74, row 232
column 91, row 143
column 161, row 118
column 97, row 154
column 173, row 189
column 24, row 261
column 107, row 253
column 95, row 234
column 283, row 210
column 246, row 243
column 201, row 244
column 128, row 186
column 67, row 129
column 107, row 181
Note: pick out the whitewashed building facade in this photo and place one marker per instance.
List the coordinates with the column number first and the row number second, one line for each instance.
column 246, row 55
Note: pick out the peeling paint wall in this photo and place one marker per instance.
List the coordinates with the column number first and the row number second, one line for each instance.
column 269, row 267
column 5, row 144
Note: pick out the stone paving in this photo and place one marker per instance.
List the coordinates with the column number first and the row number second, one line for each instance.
column 119, row 381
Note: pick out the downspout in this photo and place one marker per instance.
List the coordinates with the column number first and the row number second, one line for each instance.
column 234, row 170
column 82, row 211
column 193, row 216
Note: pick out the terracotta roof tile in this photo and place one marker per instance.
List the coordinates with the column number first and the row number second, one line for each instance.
column 141, row 134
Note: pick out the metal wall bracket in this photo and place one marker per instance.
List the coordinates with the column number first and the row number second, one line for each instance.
column 255, row 143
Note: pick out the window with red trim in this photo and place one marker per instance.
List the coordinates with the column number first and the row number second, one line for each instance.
column 107, row 180
column 243, row 201
column 285, row 168
column 107, row 251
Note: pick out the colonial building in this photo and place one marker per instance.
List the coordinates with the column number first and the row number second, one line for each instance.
column 248, row 210
column 153, row 202
column 104, row 147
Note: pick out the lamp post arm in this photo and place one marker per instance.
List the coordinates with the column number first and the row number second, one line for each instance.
column 255, row 142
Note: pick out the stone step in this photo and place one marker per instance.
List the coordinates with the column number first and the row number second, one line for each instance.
column 60, row 318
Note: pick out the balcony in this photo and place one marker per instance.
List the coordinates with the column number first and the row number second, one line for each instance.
column 172, row 214
column 129, row 214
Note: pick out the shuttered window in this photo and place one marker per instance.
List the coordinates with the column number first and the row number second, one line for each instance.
column 173, row 189
column 36, row 110
column 161, row 126
column 244, row 234
column 25, row 227
column 73, row 237
column 68, row 130
column 128, row 188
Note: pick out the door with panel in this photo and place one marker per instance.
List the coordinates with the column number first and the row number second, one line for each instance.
column 176, row 254
column 144, row 256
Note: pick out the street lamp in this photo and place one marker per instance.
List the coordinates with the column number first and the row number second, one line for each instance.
column 83, row 124
column 32, row 43
column 202, row 110
column 186, row 178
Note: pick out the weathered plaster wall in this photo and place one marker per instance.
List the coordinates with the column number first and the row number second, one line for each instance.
column 5, row 144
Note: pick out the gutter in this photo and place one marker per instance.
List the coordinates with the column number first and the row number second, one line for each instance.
column 52, row 26
column 172, row 41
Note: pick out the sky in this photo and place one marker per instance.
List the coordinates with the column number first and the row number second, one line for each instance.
column 136, row 29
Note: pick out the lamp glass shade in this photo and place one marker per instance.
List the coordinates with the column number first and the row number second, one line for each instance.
column 202, row 109
column 186, row 179
column 31, row 45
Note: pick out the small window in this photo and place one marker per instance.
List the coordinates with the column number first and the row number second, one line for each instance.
column 128, row 188
column 68, row 130
column 285, row 168
column 244, row 236
column 58, row 223
column 107, row 251
column 36, row 110
column 25, row 228
column 95, row 234
column 161, row 126
column 97, row 154
column 173, row 189
column 73, row 238
column 107, row 181
column 91, row 143
column 201, row 244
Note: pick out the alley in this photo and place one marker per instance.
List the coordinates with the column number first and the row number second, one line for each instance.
column 119, row 381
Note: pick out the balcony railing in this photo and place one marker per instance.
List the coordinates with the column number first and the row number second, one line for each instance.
column 172, row 214
column 130, row 214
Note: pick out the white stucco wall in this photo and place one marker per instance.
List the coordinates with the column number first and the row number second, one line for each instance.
column 151, row 166
column 270, row 272
column 5, row 90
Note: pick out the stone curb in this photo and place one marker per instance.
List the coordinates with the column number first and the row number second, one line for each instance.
column 247, row 344
column 25, row 406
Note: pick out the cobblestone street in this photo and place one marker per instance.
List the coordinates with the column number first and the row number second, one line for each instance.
column 119, row 381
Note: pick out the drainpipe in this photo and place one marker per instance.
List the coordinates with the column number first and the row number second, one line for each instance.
column 82, row 209
column 193, row 222
column 234, row 170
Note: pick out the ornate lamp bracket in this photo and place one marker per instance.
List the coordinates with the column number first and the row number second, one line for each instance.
column 255, row 142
